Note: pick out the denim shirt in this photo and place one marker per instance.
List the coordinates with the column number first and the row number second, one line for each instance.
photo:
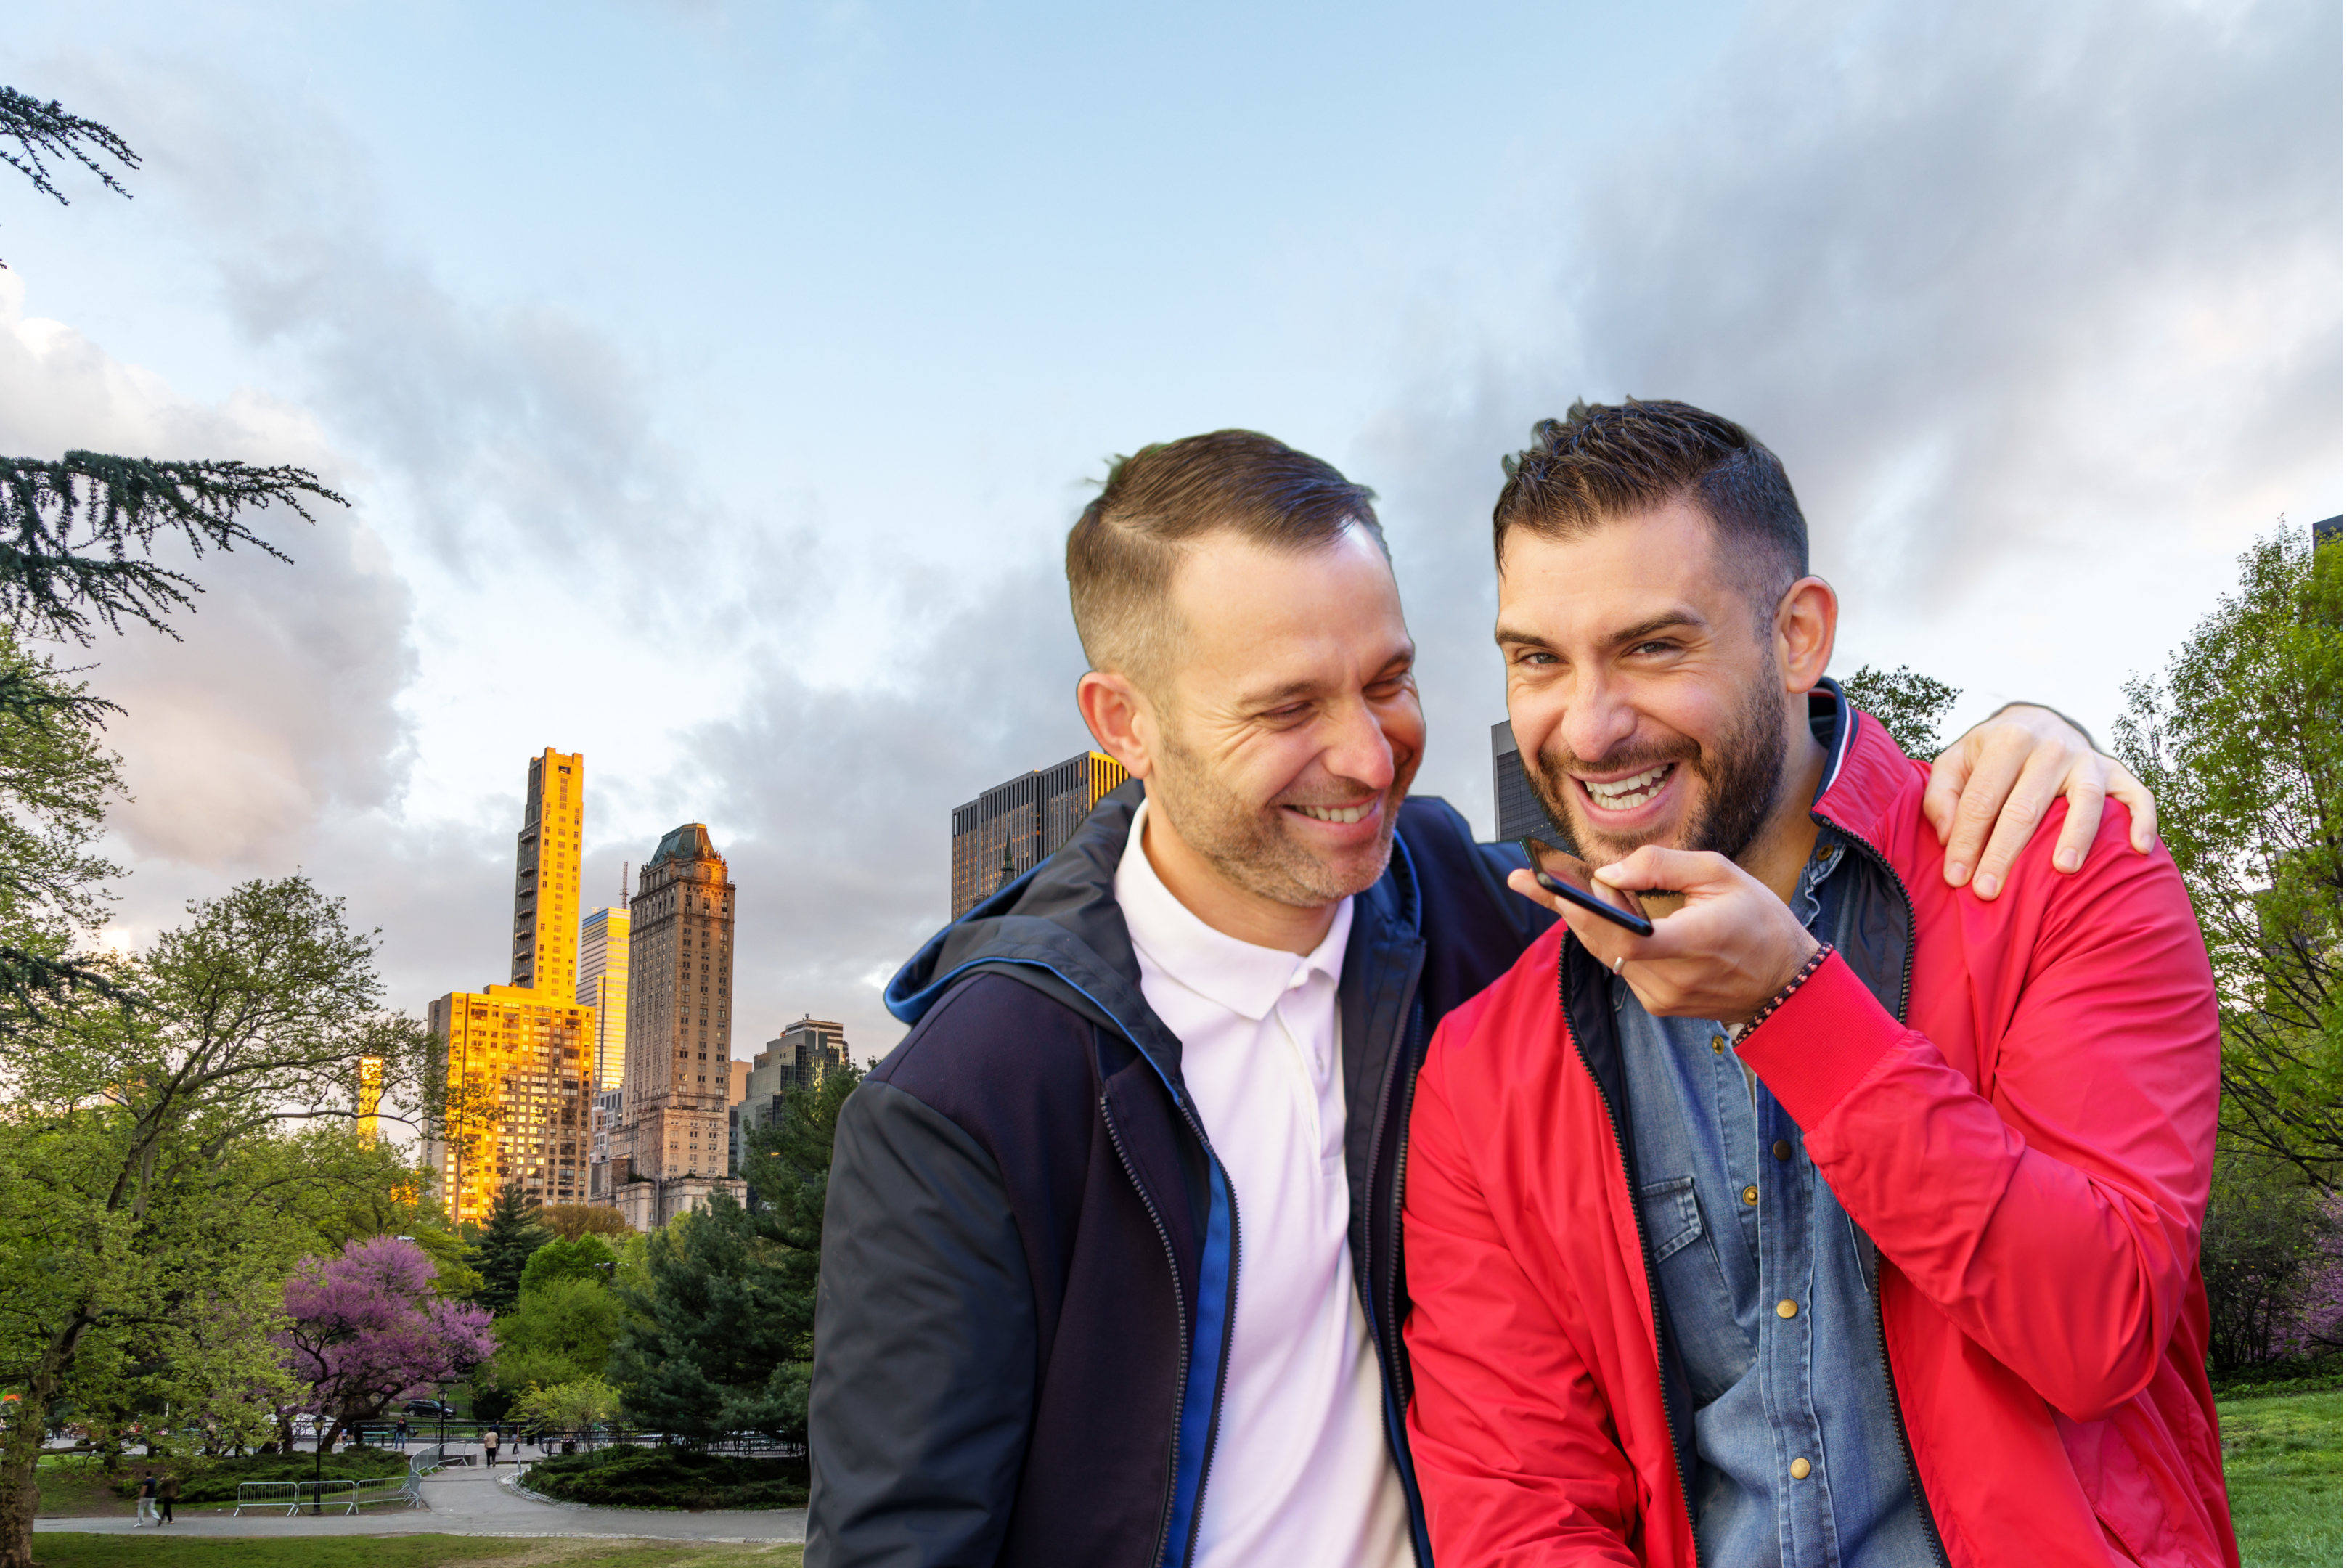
column 1770, row 1289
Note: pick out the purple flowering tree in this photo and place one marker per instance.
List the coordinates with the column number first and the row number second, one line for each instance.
column 366, row 1329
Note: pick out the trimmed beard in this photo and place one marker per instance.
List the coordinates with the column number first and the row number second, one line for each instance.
column 1740, row 781
column 1249, row 845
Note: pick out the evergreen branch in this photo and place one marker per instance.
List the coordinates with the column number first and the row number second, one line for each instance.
column 28, row 979
column 45, row 130
column 69, row 529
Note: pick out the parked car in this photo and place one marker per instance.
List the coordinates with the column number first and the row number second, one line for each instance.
column 430, row 1408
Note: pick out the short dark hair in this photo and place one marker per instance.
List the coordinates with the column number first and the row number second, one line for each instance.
column 1124, row 549
column 1607, row 460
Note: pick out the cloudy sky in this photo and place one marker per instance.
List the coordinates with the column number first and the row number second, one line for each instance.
column 713, row 383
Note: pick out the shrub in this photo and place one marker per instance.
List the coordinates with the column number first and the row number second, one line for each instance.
column 216, row 1481
column 2273, row 1264
column 671, row 1478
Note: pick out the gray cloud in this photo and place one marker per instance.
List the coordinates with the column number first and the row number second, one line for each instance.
column 1987, row 278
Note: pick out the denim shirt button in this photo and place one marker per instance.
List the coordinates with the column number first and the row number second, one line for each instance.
column 1801, row 1469
column 1787, row 1309
column 1747, row 1196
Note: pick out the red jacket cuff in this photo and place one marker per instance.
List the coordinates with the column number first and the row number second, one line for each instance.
column 1821, row 1042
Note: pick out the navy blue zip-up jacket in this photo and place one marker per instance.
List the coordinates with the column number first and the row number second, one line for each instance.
column 1031, row 1247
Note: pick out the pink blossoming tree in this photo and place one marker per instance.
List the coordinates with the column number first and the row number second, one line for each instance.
column 367, row 1329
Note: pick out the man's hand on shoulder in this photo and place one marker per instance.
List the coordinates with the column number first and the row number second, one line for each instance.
column 1989, row 789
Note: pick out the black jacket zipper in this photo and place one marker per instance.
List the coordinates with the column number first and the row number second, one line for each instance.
column 1877, row 1302
column 1183, row 1332
column 1641, row 1231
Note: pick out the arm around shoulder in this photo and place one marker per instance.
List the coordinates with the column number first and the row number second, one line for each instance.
column 924, row 1388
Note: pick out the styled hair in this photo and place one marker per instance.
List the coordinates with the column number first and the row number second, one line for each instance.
column 1124, row 549
column 1605, row 461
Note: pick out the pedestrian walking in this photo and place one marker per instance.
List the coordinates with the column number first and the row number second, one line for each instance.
column 400, row 1432
column 167, row 1492
column 146, row 1501
column 490, row 1446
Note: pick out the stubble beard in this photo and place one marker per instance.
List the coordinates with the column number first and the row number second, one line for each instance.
column 1251, row 846
column 1739, row 783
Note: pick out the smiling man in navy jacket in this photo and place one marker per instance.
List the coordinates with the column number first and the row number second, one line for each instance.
column 1112, row 1269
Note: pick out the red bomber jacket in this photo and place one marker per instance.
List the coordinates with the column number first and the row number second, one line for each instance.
column 2016, row 1100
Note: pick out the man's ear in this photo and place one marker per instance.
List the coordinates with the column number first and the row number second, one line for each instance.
column 1120, row 719
column 1804, row 633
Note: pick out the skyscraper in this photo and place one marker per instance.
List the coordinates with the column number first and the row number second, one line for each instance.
column 799, row 1057
column 603, row 988
column 1518, row 814
column 1021, row 822
column 518, row 1057
column 675, row 1083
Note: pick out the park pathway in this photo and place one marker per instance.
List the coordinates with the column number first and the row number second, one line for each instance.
column 465, row 1499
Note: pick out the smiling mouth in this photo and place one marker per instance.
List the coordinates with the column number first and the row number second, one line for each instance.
column 1339, row 814
column 1627, row 794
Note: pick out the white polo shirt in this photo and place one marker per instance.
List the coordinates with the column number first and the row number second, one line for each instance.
column 1301, row 1476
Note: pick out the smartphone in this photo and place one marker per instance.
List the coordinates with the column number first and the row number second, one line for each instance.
column 1551, row 865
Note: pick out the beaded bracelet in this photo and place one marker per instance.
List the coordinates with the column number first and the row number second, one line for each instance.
column 1804, row 973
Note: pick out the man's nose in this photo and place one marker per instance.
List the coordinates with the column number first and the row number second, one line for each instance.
column 1595, row 720
column 1358, row 749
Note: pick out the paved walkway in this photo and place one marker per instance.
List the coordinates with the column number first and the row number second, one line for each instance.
column 465, row 1499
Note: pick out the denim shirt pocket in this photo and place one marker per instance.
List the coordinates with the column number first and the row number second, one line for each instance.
column 1715, row 1352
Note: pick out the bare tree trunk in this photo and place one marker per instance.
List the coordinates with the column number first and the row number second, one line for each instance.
column 20, row 1453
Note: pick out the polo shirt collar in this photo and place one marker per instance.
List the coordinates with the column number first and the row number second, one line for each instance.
column 1240, row 976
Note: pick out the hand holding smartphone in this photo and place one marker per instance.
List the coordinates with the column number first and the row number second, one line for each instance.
column 1564, row 875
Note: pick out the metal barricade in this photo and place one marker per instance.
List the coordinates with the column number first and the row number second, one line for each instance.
column 268, row 1494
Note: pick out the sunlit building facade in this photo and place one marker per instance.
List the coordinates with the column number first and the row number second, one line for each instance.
column 519, row 1060
column 1020, row 823
column 603, row 988
column 675, row 1083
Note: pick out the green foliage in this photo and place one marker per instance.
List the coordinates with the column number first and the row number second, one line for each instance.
column 718, row 1342
column 589, row 1258
column 45, row 130
column 569, row 1407
column 64, row 1549
column 56, row 779
column 503, row 1249
column 161, row 1168
column 2284, row 1462
column 1911, row 706
column 2267, row 1232
column 671, row 1478
column 561, row 1331
column 573, row 1221
column 2242, row 742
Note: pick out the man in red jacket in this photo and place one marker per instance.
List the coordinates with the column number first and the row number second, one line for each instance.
column 1846, row 1219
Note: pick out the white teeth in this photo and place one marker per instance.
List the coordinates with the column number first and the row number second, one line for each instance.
column 1625, row 794
column 1336, row 813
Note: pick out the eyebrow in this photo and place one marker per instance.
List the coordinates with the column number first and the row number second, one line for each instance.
column 1666, row 620
column 1400, row 663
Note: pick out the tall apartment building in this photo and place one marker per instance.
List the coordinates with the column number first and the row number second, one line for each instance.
column 603, row 988
column 518, row 1058
column 1020, row 823
column 798, row 1057
column 675, row 1085
column 1517, row 812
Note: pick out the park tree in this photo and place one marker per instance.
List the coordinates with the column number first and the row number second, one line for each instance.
column 366, row 1327
column 503, row 1247
column 573, row 1221
column 717, row 1342
column 2241, row 742
column 561, row 1331
column 1911, row 706
column 79, row 535
column 157, row 1161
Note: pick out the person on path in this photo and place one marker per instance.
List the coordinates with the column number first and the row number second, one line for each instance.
column 400, row 1433
column 167, row 1492
column 490, row 1446
column 146, row 1501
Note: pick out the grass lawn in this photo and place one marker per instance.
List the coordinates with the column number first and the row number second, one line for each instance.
column 56, row 1551
column 2284, row 1458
